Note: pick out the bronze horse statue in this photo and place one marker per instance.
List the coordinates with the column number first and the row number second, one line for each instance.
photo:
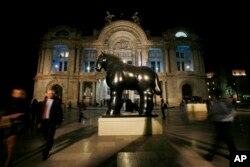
column 121, row 76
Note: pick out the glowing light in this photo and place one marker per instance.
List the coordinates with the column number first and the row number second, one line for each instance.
column 116, row 79
column 180, row 34
column 131, row 74
column 88, row 68
column 66, row 54
column 238, row 72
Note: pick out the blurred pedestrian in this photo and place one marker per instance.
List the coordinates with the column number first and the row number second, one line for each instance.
column 34, row 108
column 234, row 103
column 208, row 104
column 183, row 105
column 222, row 114
column 82, row 107
column 69, row 106
column 163, row 107
column 49, row 119
column 16, row 120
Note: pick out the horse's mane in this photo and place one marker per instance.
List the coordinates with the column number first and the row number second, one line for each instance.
column 112, row 58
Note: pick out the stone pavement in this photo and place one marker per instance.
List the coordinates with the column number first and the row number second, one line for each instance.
column 182, row 144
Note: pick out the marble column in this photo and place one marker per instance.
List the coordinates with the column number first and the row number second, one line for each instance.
column 101, row 90
column 71, row 60
column 166, row 61
column 77, row 61
column 172, row 55
column 81, row 87
column 47, row 61
column 144, row 56
column 163, row 86
column 195, row 61
column 93, row 93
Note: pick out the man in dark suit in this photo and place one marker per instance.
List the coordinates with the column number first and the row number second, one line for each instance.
column 51, row 116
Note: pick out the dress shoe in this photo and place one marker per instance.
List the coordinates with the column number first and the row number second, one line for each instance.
column 45, row 156
column 208, row 157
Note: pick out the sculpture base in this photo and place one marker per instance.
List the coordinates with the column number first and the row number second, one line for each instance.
column 197, row 112
column 129, row 125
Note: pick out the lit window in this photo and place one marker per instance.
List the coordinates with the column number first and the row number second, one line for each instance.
column 88, row 60
column 184, row 58
column 155, row 59
column 60, row 58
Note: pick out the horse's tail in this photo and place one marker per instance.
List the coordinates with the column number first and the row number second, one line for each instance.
column 157, row 89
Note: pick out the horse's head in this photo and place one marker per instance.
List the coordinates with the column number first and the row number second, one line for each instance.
column 101, row 62
column 106, row 61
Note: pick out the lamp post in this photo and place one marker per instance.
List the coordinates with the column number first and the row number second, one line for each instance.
column 237, row 74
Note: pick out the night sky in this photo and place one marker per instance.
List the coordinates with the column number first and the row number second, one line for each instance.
column 222, row 27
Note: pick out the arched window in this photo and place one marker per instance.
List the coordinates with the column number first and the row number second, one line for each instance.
column 180, row 34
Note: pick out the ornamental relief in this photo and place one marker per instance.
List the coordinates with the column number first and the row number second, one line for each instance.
column 122, row 44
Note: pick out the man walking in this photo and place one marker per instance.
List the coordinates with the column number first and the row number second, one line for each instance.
column 222, row 114
column 51, row 116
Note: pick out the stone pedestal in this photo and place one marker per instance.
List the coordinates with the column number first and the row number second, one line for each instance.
column 108, row 126
column 197, row 111
column 87, row 100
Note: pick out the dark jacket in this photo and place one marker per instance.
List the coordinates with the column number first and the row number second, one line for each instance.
column 56, row 113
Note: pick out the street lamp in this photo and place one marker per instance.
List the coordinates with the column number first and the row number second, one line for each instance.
column 237, row 74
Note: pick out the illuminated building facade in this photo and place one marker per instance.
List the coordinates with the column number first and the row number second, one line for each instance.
column 67, row 62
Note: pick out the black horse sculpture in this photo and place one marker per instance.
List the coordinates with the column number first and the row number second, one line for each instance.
column 121, row 76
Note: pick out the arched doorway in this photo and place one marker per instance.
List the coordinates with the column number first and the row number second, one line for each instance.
column 186, row 90
column 87, row 93
column 58, row 90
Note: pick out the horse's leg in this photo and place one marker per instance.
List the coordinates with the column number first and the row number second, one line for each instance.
column 147, row 102
column 142, row 101
column 150, row 103
column 115, row 102
column 111, row 105
column 118, row 102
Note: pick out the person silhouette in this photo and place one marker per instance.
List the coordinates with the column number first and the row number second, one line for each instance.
column 222, row 114
column 183, row 105
column 17, row 115
column 163, row 107
column 69, row 106
column 50, row 117
column 34, row 108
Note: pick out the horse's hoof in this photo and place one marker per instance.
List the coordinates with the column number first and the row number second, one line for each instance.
column 110, row 112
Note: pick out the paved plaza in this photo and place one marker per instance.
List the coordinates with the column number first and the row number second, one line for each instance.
column 184, row 141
